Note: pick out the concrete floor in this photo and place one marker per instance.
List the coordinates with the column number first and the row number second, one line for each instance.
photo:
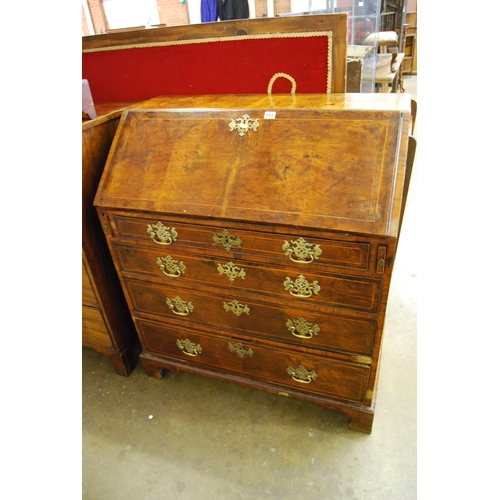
column 193, row 438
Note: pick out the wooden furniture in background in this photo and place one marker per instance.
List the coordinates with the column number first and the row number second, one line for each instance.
column 239, row 56
column 410, row 46
column 387, row 80
column 357, row 57
column 106, row 323
column 255, row 237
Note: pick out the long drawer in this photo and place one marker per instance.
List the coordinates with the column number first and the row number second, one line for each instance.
column 250, row 315
column 347, row 381
column 281, row 249
column 361, row 294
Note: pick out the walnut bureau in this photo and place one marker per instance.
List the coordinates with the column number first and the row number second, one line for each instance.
column 255, row 236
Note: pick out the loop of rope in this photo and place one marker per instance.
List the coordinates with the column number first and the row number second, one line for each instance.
column 281, row 75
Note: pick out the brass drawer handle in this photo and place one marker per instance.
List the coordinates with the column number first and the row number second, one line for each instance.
column 179, row 306
column 161, row 234
column 170, row 267
column 189, row 348
column 244, row 124
column 301, row 374
column 231, row 271
column 240, row 350
column 227, row 240
column 236, row 307
column 301, row 251
column 305, row 330
column 301, row 287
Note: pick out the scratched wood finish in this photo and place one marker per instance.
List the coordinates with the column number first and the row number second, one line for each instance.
column 326, row 170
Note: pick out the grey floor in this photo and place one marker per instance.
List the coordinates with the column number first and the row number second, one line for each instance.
column 189, row 437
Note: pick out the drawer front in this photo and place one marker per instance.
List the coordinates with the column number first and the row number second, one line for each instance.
column 252, row 316
column 306, row 372
column 88, row 295
column 94, row 328
column 360, row 294
column 305, row 252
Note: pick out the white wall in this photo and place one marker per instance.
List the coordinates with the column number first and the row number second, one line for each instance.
column 299, row 6
column 129, row 13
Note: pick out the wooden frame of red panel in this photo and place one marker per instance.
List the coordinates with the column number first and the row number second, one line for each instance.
column 225, row 57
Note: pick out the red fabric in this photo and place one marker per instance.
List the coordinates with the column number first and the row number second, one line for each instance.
column 226, row 67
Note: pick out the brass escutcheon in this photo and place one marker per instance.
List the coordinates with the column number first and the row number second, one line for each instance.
column 161, row 234
column 170, row 267
column 236, row 308
column 240, row 350
column 231, row 271
column 189, row 348
column 243, row 125
column 227, row 240
column 301, row 287
column 301, row 374
column 305, row 330
column 303, row 251
column 179, row 306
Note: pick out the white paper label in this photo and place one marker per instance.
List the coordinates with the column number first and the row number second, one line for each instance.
column 270, row 115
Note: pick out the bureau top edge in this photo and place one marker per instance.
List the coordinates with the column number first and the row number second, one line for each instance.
column 353, row 101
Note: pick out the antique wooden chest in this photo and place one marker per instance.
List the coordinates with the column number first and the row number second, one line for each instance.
column 255, row 236
column 107, row 326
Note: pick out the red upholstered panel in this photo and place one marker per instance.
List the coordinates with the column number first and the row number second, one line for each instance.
column 236, row 66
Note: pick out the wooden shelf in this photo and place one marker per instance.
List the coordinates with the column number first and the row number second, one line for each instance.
column 410, row 40
column 410, row 45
